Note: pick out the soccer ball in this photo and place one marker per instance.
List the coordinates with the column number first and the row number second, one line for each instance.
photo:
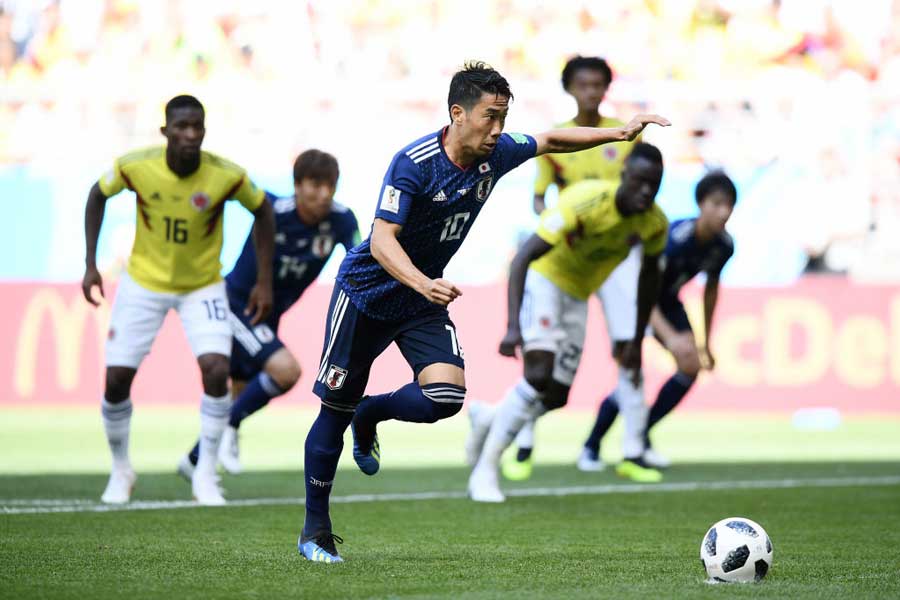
column 736, row 550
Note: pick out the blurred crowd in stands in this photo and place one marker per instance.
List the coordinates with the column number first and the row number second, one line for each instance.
column 798, row 99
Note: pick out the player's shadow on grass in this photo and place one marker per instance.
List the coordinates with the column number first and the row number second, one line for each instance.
column 289, row 484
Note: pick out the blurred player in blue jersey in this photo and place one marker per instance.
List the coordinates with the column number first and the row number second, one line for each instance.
column 308, row 225
column 390, row 288
column 697, row 244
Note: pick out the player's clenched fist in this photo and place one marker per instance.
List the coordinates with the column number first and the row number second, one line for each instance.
column 91, row 279
column 510, row 342
column 441, row 291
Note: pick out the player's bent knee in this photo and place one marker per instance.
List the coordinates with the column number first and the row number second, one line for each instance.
column 118, row 384
column 284, row 369
column 214, row 372
column 446, row 410
column 445, row 400
column 689, row 364
column 556, row 396
column 538, row 369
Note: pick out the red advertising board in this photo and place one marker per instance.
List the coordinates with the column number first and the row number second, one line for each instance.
column 820, row 342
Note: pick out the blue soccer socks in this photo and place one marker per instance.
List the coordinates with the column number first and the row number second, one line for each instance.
column 606, row 416
column 256, row 395
column 322, row 452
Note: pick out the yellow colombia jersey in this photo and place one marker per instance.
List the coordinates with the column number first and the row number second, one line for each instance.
column 179, row 219
column 590, row 237
column 602, row 162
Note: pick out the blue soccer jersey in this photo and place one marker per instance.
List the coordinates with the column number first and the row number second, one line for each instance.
column 685, row 256
column 436, row 202
column 301, row 251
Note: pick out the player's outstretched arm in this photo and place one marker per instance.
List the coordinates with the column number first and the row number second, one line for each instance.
column 390, row 255
column 648, row 295
column 533, row 248
column 93, row 220
column 259, row 303
column 710, row 297
column 573, row 139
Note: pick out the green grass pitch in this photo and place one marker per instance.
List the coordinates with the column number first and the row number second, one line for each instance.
column 830, row 501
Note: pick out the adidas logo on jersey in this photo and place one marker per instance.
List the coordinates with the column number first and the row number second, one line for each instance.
column 440, row 196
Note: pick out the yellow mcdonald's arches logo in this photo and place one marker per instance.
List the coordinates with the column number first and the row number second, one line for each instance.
column 67, row 324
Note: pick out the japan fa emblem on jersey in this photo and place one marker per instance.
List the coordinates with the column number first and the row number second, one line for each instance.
column 322, row 245
column 483, row 188
column 200, row 201
column 610, row 152
column 335, row 377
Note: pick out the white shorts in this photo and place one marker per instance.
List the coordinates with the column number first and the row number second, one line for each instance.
column 553, row 321
column 138, row 314
column 618, row 295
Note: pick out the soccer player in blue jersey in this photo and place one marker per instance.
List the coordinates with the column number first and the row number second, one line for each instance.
column 697, row 244
column 308, row 226
column 391, row 288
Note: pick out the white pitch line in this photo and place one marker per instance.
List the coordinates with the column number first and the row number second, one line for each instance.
column 50, row 506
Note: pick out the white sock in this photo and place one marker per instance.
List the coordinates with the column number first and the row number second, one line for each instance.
column 525, row 439
column 117, row 424
column 522, row 404
column 634, row 414
column 213, row 419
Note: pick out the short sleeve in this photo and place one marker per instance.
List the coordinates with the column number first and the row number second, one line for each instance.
column 250, row 196
column 557, row 223
column 727, row 251
column 350, row 237
column 112, row 182
column 544, row 175
column 515, row 148
column 656, row 236
column 401, row 183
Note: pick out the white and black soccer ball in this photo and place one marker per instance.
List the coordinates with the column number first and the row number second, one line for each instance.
column 736, row 550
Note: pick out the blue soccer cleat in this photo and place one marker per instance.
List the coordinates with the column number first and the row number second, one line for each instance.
column 366, row 451
column 320, row 547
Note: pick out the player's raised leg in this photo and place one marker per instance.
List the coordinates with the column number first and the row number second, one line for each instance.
column 432, row 348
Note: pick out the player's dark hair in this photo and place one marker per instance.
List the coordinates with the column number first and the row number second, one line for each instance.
column 590, row 63
column 473, row 80
column 317, row 165
column 715, row 180
column 182, row 101
column 647, row 152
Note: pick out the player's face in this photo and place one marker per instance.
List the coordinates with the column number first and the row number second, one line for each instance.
column 640, row 183
column 184, row 131
column 588, row 87
column 315, row 198
column 482, row 125
column 715, row 210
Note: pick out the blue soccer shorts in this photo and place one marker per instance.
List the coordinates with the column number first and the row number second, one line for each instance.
column 354, row 340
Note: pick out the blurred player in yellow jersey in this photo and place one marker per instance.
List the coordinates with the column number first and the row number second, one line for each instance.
column 174, row 264
column 586, row 79
column 578, row 243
